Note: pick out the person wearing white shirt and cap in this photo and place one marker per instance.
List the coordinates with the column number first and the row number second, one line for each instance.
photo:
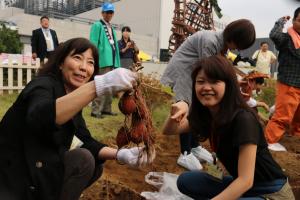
column 103, row 36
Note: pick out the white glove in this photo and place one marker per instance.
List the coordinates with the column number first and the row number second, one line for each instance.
column 120, row 79
column 133, row 157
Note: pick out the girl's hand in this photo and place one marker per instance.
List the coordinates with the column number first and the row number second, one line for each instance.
column 179, row 111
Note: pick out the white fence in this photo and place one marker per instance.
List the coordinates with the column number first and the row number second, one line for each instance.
column 13, row 70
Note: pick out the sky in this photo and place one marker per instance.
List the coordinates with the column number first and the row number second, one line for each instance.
column 263, row 13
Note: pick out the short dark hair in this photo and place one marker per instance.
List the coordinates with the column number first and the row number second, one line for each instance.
column 264, row 42
column 44, row 17
column 74, row 46
column 126, row 28
column 216, row 68
column 296, row 13
column 241, row 32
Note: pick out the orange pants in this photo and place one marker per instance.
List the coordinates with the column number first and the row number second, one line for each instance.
column 287, row 113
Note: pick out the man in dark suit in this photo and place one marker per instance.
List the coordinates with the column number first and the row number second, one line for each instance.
column 44, row 40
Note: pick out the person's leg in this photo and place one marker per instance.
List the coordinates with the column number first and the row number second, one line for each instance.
column 200, row 185
column 96, row 104
column 185, row 142
column 106, row 100
column 199, row 151
column 97, row 174
column 286, row 105
column 107, row 105
column 190, row 149
column 102, row 99
column 193, row 141
column 186, row 159
column 295, row 126
column 79, row 171
column 279, row 188
column 96, row 107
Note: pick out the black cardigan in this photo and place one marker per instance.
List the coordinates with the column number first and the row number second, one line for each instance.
column 32, row 145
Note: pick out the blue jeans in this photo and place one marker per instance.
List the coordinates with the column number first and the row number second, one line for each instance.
column 202, row 186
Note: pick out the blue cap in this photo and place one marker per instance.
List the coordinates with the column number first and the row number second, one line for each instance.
column 108, row 7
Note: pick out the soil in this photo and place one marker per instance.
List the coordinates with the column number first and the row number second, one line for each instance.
column 121, row 182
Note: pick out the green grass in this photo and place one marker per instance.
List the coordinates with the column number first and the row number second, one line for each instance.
column 5, row 102
column 100, row 128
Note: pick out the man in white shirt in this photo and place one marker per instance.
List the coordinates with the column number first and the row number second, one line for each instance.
column 43, row 41
column 264, row 58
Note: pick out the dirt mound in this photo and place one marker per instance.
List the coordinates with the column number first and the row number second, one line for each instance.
column 108, row 190
column 122, row 182
column 290, row 162
column 167, row 153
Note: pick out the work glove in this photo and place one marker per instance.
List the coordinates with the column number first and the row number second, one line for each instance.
column 117, row 80
column 134, row 157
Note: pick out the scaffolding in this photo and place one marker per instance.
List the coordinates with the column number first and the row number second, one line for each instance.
column 191, row 16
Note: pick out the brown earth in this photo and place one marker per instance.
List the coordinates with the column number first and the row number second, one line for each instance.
column 121, row 182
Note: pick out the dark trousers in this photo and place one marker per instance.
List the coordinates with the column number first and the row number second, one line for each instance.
column 202, row 186
column 103, row 103
column 187, row 142
column 80, row 172
column 48, row 56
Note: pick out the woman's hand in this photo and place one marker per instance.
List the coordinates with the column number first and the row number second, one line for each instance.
column 128, row 45
column 117, row 80
column 133, row 157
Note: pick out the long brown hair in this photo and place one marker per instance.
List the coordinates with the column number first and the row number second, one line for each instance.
column 74, row 46
column 200, row 119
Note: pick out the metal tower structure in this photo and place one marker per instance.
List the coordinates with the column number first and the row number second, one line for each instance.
column 191, row 16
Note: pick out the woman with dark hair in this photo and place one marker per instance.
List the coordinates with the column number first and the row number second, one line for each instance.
column 239, row 34
column 220, row 114
column 37, row 131
column 264, row 58
column 128, row 49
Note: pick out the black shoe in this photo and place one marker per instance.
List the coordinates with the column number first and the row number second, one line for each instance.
column 99, row 116
column 109, row 113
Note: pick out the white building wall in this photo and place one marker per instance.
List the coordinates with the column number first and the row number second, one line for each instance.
column 167, row 12
column 142, row 16
column 150, row 21
column 65, row 29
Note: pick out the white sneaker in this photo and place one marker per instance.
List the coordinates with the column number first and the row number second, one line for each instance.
column 189, row 161
column 202, row 154
column 276, row 147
